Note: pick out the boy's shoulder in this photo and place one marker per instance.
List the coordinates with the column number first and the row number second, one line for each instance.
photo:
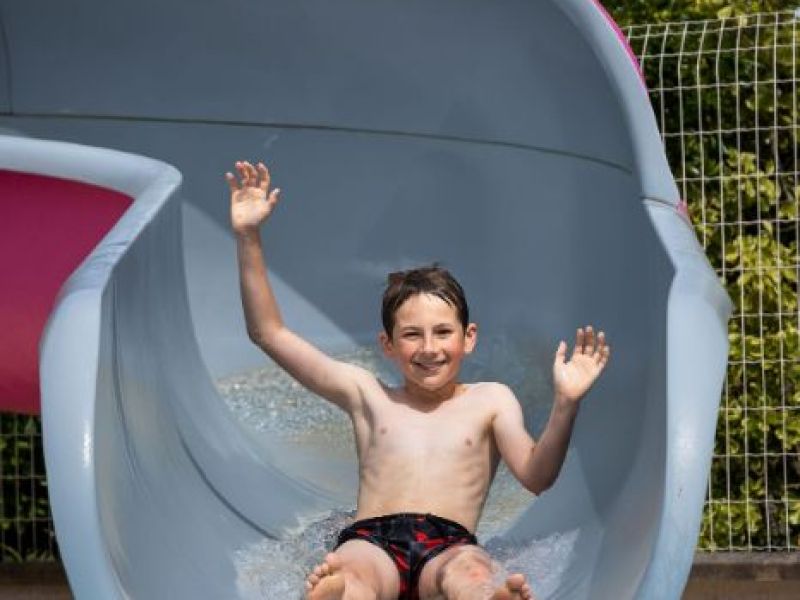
column 497, row 388
column 493, row 395
column 501, row 397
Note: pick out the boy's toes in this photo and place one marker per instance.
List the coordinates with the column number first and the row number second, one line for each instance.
column 326, row 567
column 324, row 582
column 515, row 582
column 518, row 587
column 526, row 592
column 316, row 574
column 513, row 589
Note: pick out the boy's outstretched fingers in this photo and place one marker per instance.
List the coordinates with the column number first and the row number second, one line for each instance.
column 598, row 348
column 602, row 351
column 274, row 196
column 251, row 201
column 232, row 183
column 561, row 352
column 578, row 349
column 264, row 172
column 590, row 340
column 238, row 167
column 241, row 166
column 252, row 176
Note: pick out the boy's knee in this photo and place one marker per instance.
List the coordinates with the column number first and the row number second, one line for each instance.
column 368, row 568
column 470, row 564
column 473, row 555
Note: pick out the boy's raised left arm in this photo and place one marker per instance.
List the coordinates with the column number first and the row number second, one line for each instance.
column 536, row 464
column 251, row 205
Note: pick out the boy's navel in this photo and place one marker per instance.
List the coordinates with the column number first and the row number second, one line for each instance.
column 468, row 442
column 383, row 430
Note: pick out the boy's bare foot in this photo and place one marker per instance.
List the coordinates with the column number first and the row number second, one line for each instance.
column 515, row 588
column 326, row 582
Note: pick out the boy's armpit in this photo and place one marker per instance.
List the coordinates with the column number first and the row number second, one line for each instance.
column 364, row 379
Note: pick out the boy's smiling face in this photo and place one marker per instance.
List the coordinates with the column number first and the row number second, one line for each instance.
column 428, row 342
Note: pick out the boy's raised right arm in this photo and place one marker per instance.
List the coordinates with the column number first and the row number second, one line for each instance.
column 251, row 205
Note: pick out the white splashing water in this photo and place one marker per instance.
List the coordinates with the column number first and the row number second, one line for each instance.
column 269, row 401
column 278, row 568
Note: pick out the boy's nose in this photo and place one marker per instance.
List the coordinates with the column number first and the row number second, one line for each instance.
column 428, row 345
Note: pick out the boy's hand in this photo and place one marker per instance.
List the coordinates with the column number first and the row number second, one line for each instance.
column 250, row 205
column 574, row 378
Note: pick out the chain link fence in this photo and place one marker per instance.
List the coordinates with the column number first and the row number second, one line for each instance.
column 26, row 527
column 725, row 96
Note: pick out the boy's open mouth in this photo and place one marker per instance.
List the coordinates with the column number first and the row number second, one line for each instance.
column 430, row 366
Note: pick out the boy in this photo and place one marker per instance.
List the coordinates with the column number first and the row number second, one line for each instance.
column 427, row 451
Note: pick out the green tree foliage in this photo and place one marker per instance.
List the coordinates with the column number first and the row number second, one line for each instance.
column 740, row 178
column 26, row 527
column 635, row 12
column 725, row 95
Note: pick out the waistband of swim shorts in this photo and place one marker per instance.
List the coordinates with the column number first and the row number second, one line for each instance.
column 411, row 515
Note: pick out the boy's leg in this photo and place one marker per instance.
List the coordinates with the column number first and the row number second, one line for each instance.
column 467, row 572
column 357, row 570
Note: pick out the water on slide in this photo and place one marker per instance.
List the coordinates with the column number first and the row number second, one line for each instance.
column 271, row 402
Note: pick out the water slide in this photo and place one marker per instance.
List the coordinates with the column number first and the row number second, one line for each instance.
column 514, row 142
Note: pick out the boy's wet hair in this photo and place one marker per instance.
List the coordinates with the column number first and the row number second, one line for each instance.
column 433, row 279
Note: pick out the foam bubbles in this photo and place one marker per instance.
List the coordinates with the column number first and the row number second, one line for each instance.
column 278, row 568
column 543, row 561
column 271, row 402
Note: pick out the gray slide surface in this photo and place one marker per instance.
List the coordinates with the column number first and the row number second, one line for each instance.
column 513, row 141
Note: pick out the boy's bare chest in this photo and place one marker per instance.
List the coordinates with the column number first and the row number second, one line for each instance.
column 460, row 427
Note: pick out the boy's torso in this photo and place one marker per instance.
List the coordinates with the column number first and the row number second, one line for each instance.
column 437, row 459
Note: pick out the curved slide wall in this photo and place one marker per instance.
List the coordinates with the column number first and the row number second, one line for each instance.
column 529, row 164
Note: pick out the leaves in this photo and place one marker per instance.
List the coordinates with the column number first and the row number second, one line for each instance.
column 632, row 12
column 734, row 146
column 26, row 529
column 724, row 94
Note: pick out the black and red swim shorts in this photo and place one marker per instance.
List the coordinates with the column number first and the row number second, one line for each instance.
column 411, row 540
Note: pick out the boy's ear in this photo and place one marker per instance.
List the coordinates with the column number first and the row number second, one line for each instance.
column 385, row 342
column 470, row 337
